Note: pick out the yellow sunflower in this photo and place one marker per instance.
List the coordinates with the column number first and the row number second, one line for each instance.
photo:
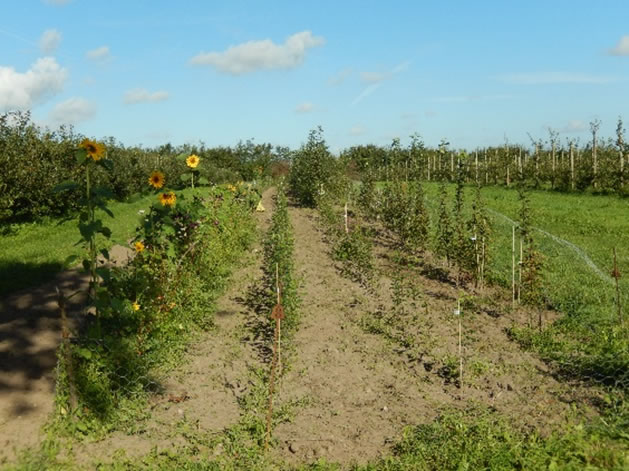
column 157, row 179
column 193, row 161
column 135, row 306
column 139, row 246
column 168, row 199
column 95, row 150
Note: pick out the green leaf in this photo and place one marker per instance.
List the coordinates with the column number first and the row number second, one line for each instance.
column 104, row 273
column 203, row 181
column 185, row 177
column 103, row 207
column 170, row 252
column 65, row 186
column 117, row 304
column 81, row 156
column 105, row 231
column 103, row 192
column 84, row 353
column 86, row 265
column 70, row 260
column 182, row 156
column 105, row 253
column 106, row 164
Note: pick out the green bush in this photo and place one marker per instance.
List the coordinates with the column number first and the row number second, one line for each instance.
column 312, row 170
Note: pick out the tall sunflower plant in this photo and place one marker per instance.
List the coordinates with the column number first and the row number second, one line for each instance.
column 91, row 155
column 171, row 221
column 193, row 174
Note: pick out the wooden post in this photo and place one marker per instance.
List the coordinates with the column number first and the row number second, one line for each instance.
column 476, row 164
column 346, row 225
column 513, row 266
column 520, row 273
column 278, row 321
column 616, row 275
column 572, row 184
column 460, row 345
column 67, row 352
column 594, row 126
column 520, row 163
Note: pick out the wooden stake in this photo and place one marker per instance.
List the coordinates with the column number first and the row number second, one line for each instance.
column 616, row 275
column 67, row 353
column 572, row 165
column 346, row 225
column 520, row 270
column 278, row 321
column 513, row 266
column 460, row 347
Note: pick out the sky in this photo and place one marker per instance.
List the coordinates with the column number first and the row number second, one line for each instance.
column 476, row 73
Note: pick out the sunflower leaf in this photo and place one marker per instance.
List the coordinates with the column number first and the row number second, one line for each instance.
column 81, row 156
column 65, row 186
column 185, row 177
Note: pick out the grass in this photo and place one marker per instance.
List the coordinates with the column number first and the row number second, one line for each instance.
column 578, row 260
column 33, row 253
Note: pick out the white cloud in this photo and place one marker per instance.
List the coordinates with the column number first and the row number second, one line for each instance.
column 339, row 77
column 374, row 77
column 18, row 90
column 159, row 135
column 49, row 41
column 258, row 55
column 72, row 111
column 622, row 48
column 366, row 92
column 470, row 98
column 141, row 95
column 99, row 54
column 357, row 130
column 575, row 126
column 306, row 107
column 554, row 78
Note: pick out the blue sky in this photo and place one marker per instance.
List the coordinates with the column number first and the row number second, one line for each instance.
column 150, row 71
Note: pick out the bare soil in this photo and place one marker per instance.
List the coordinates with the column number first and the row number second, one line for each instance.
column 360, row 389
column 30, row 332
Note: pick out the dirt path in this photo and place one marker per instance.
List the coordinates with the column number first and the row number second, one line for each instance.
column 360, row 389
column 357, row 394
column 30, row 332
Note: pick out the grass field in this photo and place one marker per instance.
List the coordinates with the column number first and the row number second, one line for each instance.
column 575, row 232
column 33, row 253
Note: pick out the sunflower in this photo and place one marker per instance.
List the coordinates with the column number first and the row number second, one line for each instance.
column 95, row 150
column 167, row 199
column 135, row 306
column 139, row 246
column 231, row 188
column 157, row 179
column 193, row 161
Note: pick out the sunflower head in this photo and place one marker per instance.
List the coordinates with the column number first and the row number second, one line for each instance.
column 95, row 150
column 157, row 179
column 168, row 199
column 193, row 161
column 139, row 246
